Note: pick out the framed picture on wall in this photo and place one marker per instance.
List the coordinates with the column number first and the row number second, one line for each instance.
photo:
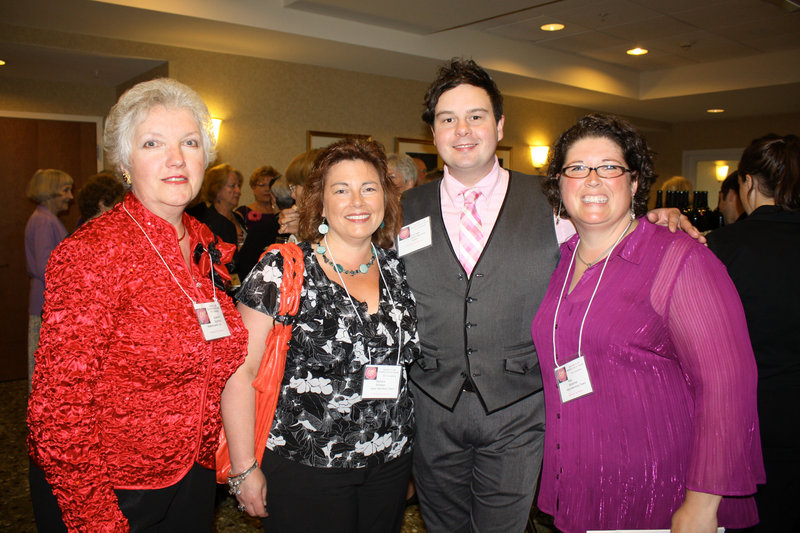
column 421, row 149
column 504, row 156
column 321, row 139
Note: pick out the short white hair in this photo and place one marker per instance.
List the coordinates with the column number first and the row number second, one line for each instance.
column 46, row 184
column 403, row 164
column 132, row 109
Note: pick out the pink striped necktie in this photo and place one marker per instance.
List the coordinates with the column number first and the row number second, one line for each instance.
column 470, row 232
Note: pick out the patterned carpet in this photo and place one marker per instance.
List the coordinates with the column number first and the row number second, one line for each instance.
column 16, row 513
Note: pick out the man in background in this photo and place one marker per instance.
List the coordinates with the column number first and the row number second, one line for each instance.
column 730, row 206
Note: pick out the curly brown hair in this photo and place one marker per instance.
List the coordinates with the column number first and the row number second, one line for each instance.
column 638, row 156
column 102, row 187
column 350, row 149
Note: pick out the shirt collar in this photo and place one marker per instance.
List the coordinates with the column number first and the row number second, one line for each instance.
column 486, row 185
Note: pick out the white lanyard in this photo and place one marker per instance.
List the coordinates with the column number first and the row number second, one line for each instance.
column 355, row 309
column 564, row 287
column 165, row 263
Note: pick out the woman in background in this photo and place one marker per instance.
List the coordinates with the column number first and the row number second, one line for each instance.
column 263, row 210
column 222, row 187
column 137, row 343
column 99, row 194
column 338, row 456
column 52, row 190
column 260, row 218
column 648, row 374
column 761, row 253
column 297, row 174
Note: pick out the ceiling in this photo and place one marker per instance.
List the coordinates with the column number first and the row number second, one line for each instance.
column 740, row 55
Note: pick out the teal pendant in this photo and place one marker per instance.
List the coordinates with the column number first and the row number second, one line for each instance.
column 363, row 268
column 339, row 268
column 321, row 249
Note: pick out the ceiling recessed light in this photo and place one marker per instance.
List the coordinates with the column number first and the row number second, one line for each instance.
column 551, row 27
column 715, row 110
column 636, row 51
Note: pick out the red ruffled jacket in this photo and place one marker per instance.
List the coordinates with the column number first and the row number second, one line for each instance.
column 126, row 390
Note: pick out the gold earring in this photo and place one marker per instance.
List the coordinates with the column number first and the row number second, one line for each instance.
column 126, row 177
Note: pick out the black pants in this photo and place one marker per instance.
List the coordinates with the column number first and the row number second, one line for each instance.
column 305, row 499
column 187, row 506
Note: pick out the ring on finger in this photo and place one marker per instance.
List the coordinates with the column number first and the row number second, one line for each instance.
column 242, row 507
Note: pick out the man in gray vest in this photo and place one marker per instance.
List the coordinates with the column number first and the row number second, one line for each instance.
column 479, row 248
column 477, row 386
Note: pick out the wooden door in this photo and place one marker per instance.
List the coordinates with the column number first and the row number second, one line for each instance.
column 25, row 146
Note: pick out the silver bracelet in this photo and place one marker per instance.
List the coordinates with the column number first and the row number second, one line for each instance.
column 235, row 481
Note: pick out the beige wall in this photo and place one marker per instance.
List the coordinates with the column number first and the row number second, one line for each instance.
column 716, row 133
column 268, row 106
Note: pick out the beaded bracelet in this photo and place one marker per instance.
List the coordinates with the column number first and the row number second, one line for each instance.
column 235, row 481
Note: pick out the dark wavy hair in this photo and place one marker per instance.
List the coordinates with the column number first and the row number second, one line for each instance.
column 773, row 162
column 350, row 149
column 102, row 187
column 457, row 72
column 638, row 156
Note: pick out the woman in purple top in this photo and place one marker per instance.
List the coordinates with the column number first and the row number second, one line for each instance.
column 649, row 377
column 52, row 190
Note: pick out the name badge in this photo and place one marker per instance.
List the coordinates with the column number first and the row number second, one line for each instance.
column 573, row 380
column 381, row 382
column 414, row 237
column 212, row 321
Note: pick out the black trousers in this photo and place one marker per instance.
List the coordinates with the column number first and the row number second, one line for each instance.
column 305, row 499
column 185, row 507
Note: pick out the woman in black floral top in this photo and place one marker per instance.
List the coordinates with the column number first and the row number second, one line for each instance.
column 338, row 456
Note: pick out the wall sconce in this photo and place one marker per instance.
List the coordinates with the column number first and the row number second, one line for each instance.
column 722, row 172
column 215, row 123
column 539, row 155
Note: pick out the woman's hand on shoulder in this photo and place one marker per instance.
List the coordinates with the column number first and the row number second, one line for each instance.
column 698, row 514
column 254, row 494
column 673, row 219
column 289, row 220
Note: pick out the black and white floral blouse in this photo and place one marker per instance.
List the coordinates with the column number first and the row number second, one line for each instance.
column 321, row 419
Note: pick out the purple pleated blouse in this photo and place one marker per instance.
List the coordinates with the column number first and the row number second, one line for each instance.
column 674, row 379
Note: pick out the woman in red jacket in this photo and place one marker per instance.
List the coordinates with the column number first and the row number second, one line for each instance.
column 137, row 341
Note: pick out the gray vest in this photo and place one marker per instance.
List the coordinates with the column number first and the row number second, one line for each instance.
column 481, row 327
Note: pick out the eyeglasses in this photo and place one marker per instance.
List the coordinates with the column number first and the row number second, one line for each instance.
column 604, row 171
